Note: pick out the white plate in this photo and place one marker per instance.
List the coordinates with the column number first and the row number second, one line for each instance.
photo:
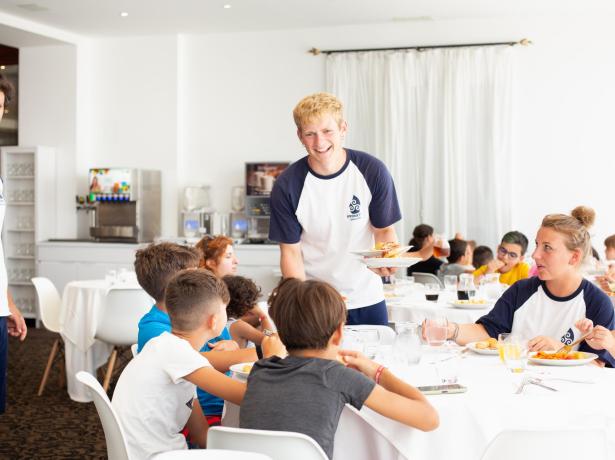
column 563, row 362
column 391, row 262
column 472, row 306
column 482, row 351
column 237, row 369
column 378, row 252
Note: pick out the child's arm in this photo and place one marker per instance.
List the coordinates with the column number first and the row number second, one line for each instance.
column 197, row 425
column 217, row 384
column 394, row 398
column 241, row 330
column 223, row 360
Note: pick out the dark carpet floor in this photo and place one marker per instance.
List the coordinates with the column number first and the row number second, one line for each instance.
column 50, row 426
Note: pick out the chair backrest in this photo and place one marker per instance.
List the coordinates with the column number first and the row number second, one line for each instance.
column 49, row 302
column 425, row 278
column 541, row 444
column 118, row 323
column 355, row 434
column 279, row 445
column 134, row 348
column 209, row 454
column 114, row 435
column 386, row 333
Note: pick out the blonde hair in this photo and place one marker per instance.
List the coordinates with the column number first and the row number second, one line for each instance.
column 574, row 227
column 316, row 105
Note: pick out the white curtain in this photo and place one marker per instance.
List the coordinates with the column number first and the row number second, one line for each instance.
column 442, row 122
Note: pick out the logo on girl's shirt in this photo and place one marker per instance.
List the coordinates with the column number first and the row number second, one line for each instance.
column 354, row 209
column 568, row 337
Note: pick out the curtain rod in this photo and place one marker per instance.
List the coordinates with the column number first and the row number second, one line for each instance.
column 523, row 42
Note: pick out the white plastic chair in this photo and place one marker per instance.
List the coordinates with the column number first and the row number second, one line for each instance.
column 425, row 278
column 117, row 448
column 542, row 444
column 50, row 305
column 118, row 324
column 279, row 445
column 134, row 348
column 386, row 333
column 209, row 454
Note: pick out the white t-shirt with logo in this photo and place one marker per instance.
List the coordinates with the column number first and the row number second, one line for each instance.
column 151, row 398
column 334, row 215
column 4, row 301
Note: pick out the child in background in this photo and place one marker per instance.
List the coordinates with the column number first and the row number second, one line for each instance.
column 423, row 240
column 154, row 396
column 155, row 265
column 459, row 260
column 609, row 248
column 481, row 255
column 306, row 391
column 509, row 263
column 246, row 320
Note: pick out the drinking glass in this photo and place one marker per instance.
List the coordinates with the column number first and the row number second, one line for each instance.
column 440, row 244
column 407, row 345
column 450, row 283
column 466, row 289
column 436, row 330
column 352, row 340
column 514, row 350
column 448, row 370
column 432, row 292
column 501, row 339
column 370, row 338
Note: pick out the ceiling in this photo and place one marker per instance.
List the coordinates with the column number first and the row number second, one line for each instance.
column 150, row 17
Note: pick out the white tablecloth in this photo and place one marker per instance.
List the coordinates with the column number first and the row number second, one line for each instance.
column 469, row 421
column 81, row 306
column 412, row 306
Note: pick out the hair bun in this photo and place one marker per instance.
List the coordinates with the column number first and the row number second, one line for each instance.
column 585, row 215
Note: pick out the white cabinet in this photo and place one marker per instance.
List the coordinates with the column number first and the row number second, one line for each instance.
column 63, row 262
column 29, row 175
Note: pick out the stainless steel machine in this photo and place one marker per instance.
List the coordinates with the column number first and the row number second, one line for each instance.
column 126, row 204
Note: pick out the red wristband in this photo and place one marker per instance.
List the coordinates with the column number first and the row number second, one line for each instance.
column 261, row 318
column 379, row 373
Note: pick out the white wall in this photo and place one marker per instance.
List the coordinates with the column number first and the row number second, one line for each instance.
column 133, row 113
column 47, row 114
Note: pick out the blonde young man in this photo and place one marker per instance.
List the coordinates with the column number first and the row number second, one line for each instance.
column 330, row 202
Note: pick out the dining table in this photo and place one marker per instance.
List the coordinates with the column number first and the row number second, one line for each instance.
column 82, row 304
column 581, row 397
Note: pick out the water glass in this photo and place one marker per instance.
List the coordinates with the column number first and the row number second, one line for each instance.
column 466, row 289
column 436, row 330
column 407, row 345
column 448, row 370
column 370, row 338
column 450, row 283
column 351, row 340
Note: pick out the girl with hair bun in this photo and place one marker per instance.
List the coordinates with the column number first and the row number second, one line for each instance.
column 545, row 309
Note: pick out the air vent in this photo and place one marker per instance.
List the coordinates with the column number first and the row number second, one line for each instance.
column 33, row 7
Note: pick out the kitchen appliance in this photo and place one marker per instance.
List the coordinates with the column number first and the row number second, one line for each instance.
column 260, row 178
column 126, row 204
column 197, row 203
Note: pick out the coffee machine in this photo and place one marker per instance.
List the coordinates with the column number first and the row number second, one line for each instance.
column 126, row 203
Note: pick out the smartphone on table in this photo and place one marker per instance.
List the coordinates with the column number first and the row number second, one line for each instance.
column 442, row 389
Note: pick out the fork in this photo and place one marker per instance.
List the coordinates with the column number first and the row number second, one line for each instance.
column 567, row 348
column 524, row 382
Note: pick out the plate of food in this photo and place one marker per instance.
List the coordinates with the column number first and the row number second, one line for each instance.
column 390, row 262
column 551, row 358
column 382, row 250
column 472, row 304
column 484, row 347
column 241, row 370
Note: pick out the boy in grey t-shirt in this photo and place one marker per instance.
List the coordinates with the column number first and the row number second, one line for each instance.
column 306, row 391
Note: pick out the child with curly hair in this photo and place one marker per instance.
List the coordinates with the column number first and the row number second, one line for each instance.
column 247, row 322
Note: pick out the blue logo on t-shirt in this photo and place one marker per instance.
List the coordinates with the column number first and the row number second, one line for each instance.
column 568, row 337
column 355, row 208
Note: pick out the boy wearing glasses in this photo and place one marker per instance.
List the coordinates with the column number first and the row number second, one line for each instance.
column 509, row 260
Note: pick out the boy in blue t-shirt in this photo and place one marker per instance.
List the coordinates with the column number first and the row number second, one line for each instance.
column 155, row 265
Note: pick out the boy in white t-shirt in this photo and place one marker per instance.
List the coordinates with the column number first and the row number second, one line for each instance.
column 155, row 397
